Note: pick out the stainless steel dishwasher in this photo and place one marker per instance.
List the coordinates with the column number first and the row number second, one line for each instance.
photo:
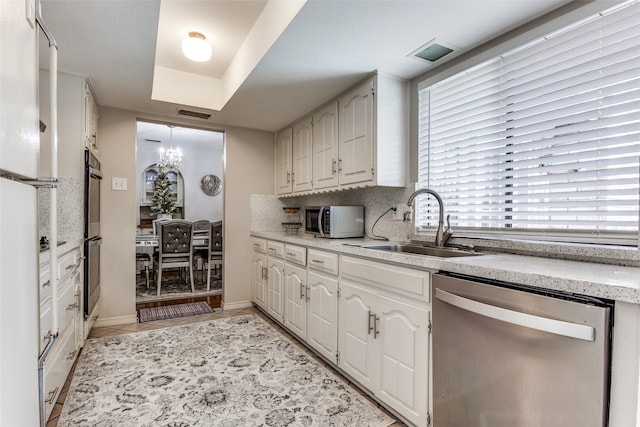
column 507, row 355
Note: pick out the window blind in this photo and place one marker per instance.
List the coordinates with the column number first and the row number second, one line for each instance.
column 545, row 138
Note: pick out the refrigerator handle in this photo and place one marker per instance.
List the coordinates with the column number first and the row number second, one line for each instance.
column 558, row 327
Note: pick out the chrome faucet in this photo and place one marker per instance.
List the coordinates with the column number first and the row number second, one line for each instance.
column 441, row 236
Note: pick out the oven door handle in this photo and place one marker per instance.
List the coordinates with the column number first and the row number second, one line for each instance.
column 94, row 241
column 553, row 326
column 95, row 173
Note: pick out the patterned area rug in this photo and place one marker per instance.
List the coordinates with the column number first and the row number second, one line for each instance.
column 236, row 371
column 175, row 310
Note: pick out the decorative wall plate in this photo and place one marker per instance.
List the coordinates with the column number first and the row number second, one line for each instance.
column 211, row 185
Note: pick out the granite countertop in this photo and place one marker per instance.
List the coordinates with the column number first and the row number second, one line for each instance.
column 598, row 280
column 63, row 248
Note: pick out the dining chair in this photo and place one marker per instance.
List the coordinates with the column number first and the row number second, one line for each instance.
column 200, row 245
column 215, row 250
column 175, row 248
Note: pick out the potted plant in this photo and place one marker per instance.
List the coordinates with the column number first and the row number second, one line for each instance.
column 162, row 203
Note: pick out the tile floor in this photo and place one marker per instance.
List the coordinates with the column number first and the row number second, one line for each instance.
column 135, row 327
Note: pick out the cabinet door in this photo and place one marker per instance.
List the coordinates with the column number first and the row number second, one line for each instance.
column 356, row 135
column 302, row 151
column 322, row 314
column 356, row 335
column 325, row 147
column 275, row 288
column 283, row 162
column 295, row 297
column 404, row 357
column 259, row 279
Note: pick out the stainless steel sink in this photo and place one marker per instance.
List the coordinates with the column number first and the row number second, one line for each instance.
column 413, row 248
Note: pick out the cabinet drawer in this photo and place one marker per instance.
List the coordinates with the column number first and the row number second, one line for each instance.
column 67, row 305
column 275, row 249
column 45, row 323
column 45, row 282
column 323, row 261
column 296, row 254
column 57, row 367
column 400, row 280
column 68, row 263
column 259, row 245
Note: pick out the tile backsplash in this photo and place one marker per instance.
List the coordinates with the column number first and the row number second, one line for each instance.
column 267, row 213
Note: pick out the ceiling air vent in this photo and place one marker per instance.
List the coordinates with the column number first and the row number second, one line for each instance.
column 193, row 114
column 433, row 50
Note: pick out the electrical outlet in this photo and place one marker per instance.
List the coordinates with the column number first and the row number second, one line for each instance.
column 400, row 209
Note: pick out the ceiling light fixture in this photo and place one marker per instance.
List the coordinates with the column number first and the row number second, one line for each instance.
column 171, row 158
column 196, row 48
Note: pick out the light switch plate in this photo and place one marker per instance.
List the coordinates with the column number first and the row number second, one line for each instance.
column 118, row 184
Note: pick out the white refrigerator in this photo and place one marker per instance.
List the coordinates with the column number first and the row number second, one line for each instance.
column 19, row 246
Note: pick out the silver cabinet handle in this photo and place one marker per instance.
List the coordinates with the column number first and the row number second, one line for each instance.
column 301, row 290
column 52, row 395
column 317, row 261
column 73, row 306
column 291, row 254
column 558, row 327
column 308, row 293
column 370, row 316
column 333, row 166
column 376, row 330
column 47, row 283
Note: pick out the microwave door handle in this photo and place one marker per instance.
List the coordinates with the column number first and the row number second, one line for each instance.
column 553, row 326
column 321, row 221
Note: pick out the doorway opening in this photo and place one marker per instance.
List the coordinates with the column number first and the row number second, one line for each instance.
column 187, row 185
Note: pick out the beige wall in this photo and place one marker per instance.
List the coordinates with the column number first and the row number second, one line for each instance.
column 248, row 169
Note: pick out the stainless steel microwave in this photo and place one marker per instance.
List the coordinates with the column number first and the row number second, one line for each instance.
column 334, row 222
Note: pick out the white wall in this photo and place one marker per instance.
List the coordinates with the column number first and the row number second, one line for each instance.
column 248, row 169
column 202, row 155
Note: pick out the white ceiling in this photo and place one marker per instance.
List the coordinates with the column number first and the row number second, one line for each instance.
column 328, row 46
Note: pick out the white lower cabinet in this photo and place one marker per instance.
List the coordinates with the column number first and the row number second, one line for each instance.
column 311, row 302
column 275, row 280
column 383, row 336
column 259, row 273
column 295, row 295
column 370, row 319
column 322, row 314
column 64, row 351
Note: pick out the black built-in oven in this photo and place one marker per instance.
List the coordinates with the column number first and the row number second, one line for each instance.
column 92, row 239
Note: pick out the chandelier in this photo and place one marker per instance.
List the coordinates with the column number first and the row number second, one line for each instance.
column 171, row 158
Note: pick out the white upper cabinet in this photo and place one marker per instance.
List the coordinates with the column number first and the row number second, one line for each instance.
column 358, row 140
column 325, row 147
column 283, row 161
column 356, row 162
column 77, row 124
column 302, row 152
column 90, row 119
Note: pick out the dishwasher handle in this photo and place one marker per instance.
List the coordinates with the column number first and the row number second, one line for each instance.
column 558, row 327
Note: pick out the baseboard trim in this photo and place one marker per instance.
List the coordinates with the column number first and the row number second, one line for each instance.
column 236, row 305
column 118, row 320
